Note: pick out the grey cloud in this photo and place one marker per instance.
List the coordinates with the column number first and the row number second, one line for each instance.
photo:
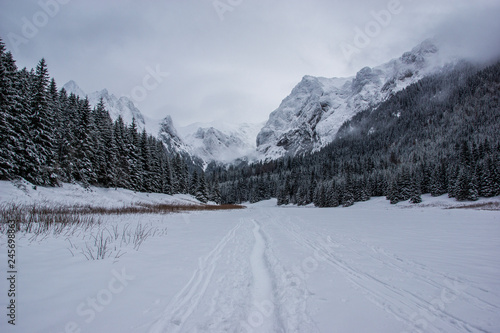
column 239, row 68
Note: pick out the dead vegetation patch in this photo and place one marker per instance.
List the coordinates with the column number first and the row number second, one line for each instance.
column 479, row 206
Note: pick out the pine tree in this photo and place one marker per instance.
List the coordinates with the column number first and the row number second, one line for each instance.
column 156, row 151
column 9, row 136
column 473, row 188
column 393, row 194
column 194, row 183
column 105, row 158
column 282, row 196
column 486, row 179
column 463, row 184
column 122, row 153
column 215, row 194
column 202, row 191
column 135, row 165
column 332, row 195
column 41, row 124
column 415, row 193
column 65, row 138
column 167, row 184
column 438, row 181
column 29, row 168
column 145, row 160
column 85, row 145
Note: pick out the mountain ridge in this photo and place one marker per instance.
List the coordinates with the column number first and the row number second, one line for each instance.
column 201, row 142
column 307, row 119
column 310, row 117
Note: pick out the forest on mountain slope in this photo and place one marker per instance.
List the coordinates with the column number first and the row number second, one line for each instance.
column 440, row 135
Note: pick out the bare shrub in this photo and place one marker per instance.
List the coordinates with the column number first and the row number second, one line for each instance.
column 41, row 221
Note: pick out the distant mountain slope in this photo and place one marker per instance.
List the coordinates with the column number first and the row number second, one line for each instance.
column 203, row 143
column 440, row 135
column 310, row 117
column 307, row 120
column 121, row 106
column 221, row 142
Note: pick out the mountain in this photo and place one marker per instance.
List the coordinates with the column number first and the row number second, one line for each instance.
column 203, row 143
column 310, row 117
column 121, row 106
column 307, row 120
column 440, row 135
column 210, row 142
column 221, row 142
column 171, row 139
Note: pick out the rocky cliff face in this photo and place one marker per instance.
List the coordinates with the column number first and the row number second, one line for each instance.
column 310, row 117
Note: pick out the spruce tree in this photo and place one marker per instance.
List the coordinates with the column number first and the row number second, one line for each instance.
column 9, row 126
column 41, row 126
column 202, row 191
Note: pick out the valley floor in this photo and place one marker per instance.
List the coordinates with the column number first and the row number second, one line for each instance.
column 371, row 267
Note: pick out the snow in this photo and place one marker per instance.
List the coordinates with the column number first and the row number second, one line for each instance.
column 221, row 141
column 116, row 106
column 68, row 195
column 216, row 141
column 372, row 267
column 310, row 117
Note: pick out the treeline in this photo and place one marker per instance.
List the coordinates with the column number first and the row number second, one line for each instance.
column 440, row 135
column 49, row 137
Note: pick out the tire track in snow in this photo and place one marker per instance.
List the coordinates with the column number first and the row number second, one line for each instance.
column 186, row 301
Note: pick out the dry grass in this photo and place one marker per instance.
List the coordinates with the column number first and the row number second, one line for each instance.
column 38, row 218
column 479, row 206
column 155, row 209
column 102, row 240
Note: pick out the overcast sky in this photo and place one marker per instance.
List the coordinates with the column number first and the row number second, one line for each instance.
column 232, row 60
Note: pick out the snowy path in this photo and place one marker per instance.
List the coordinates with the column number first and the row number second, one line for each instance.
column 262, row 292
column 257, row 303
column 184, row 303
column 268, row 269
column 414, row 296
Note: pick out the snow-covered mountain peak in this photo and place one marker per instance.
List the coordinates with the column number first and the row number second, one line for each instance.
column 306, row 120
column 221, row 141
column 216, row 141
column 116, row 107
column 72, row 88
column 311, row 115
column 169, row 136
column 419, row 52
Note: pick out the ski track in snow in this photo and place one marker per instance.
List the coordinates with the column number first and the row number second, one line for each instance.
column 184, row 303
column 405, row 304
column 268, row 304
column 257, row 306
column 241, row 285
column 263, row 299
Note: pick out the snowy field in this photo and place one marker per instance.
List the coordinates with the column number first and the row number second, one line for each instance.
column 372, row 267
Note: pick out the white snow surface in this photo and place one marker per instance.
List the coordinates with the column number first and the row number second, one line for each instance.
column 24, row 193
column 372, row 267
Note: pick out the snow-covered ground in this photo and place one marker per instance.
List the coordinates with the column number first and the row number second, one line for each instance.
column 372, row 267
column 22, row 192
